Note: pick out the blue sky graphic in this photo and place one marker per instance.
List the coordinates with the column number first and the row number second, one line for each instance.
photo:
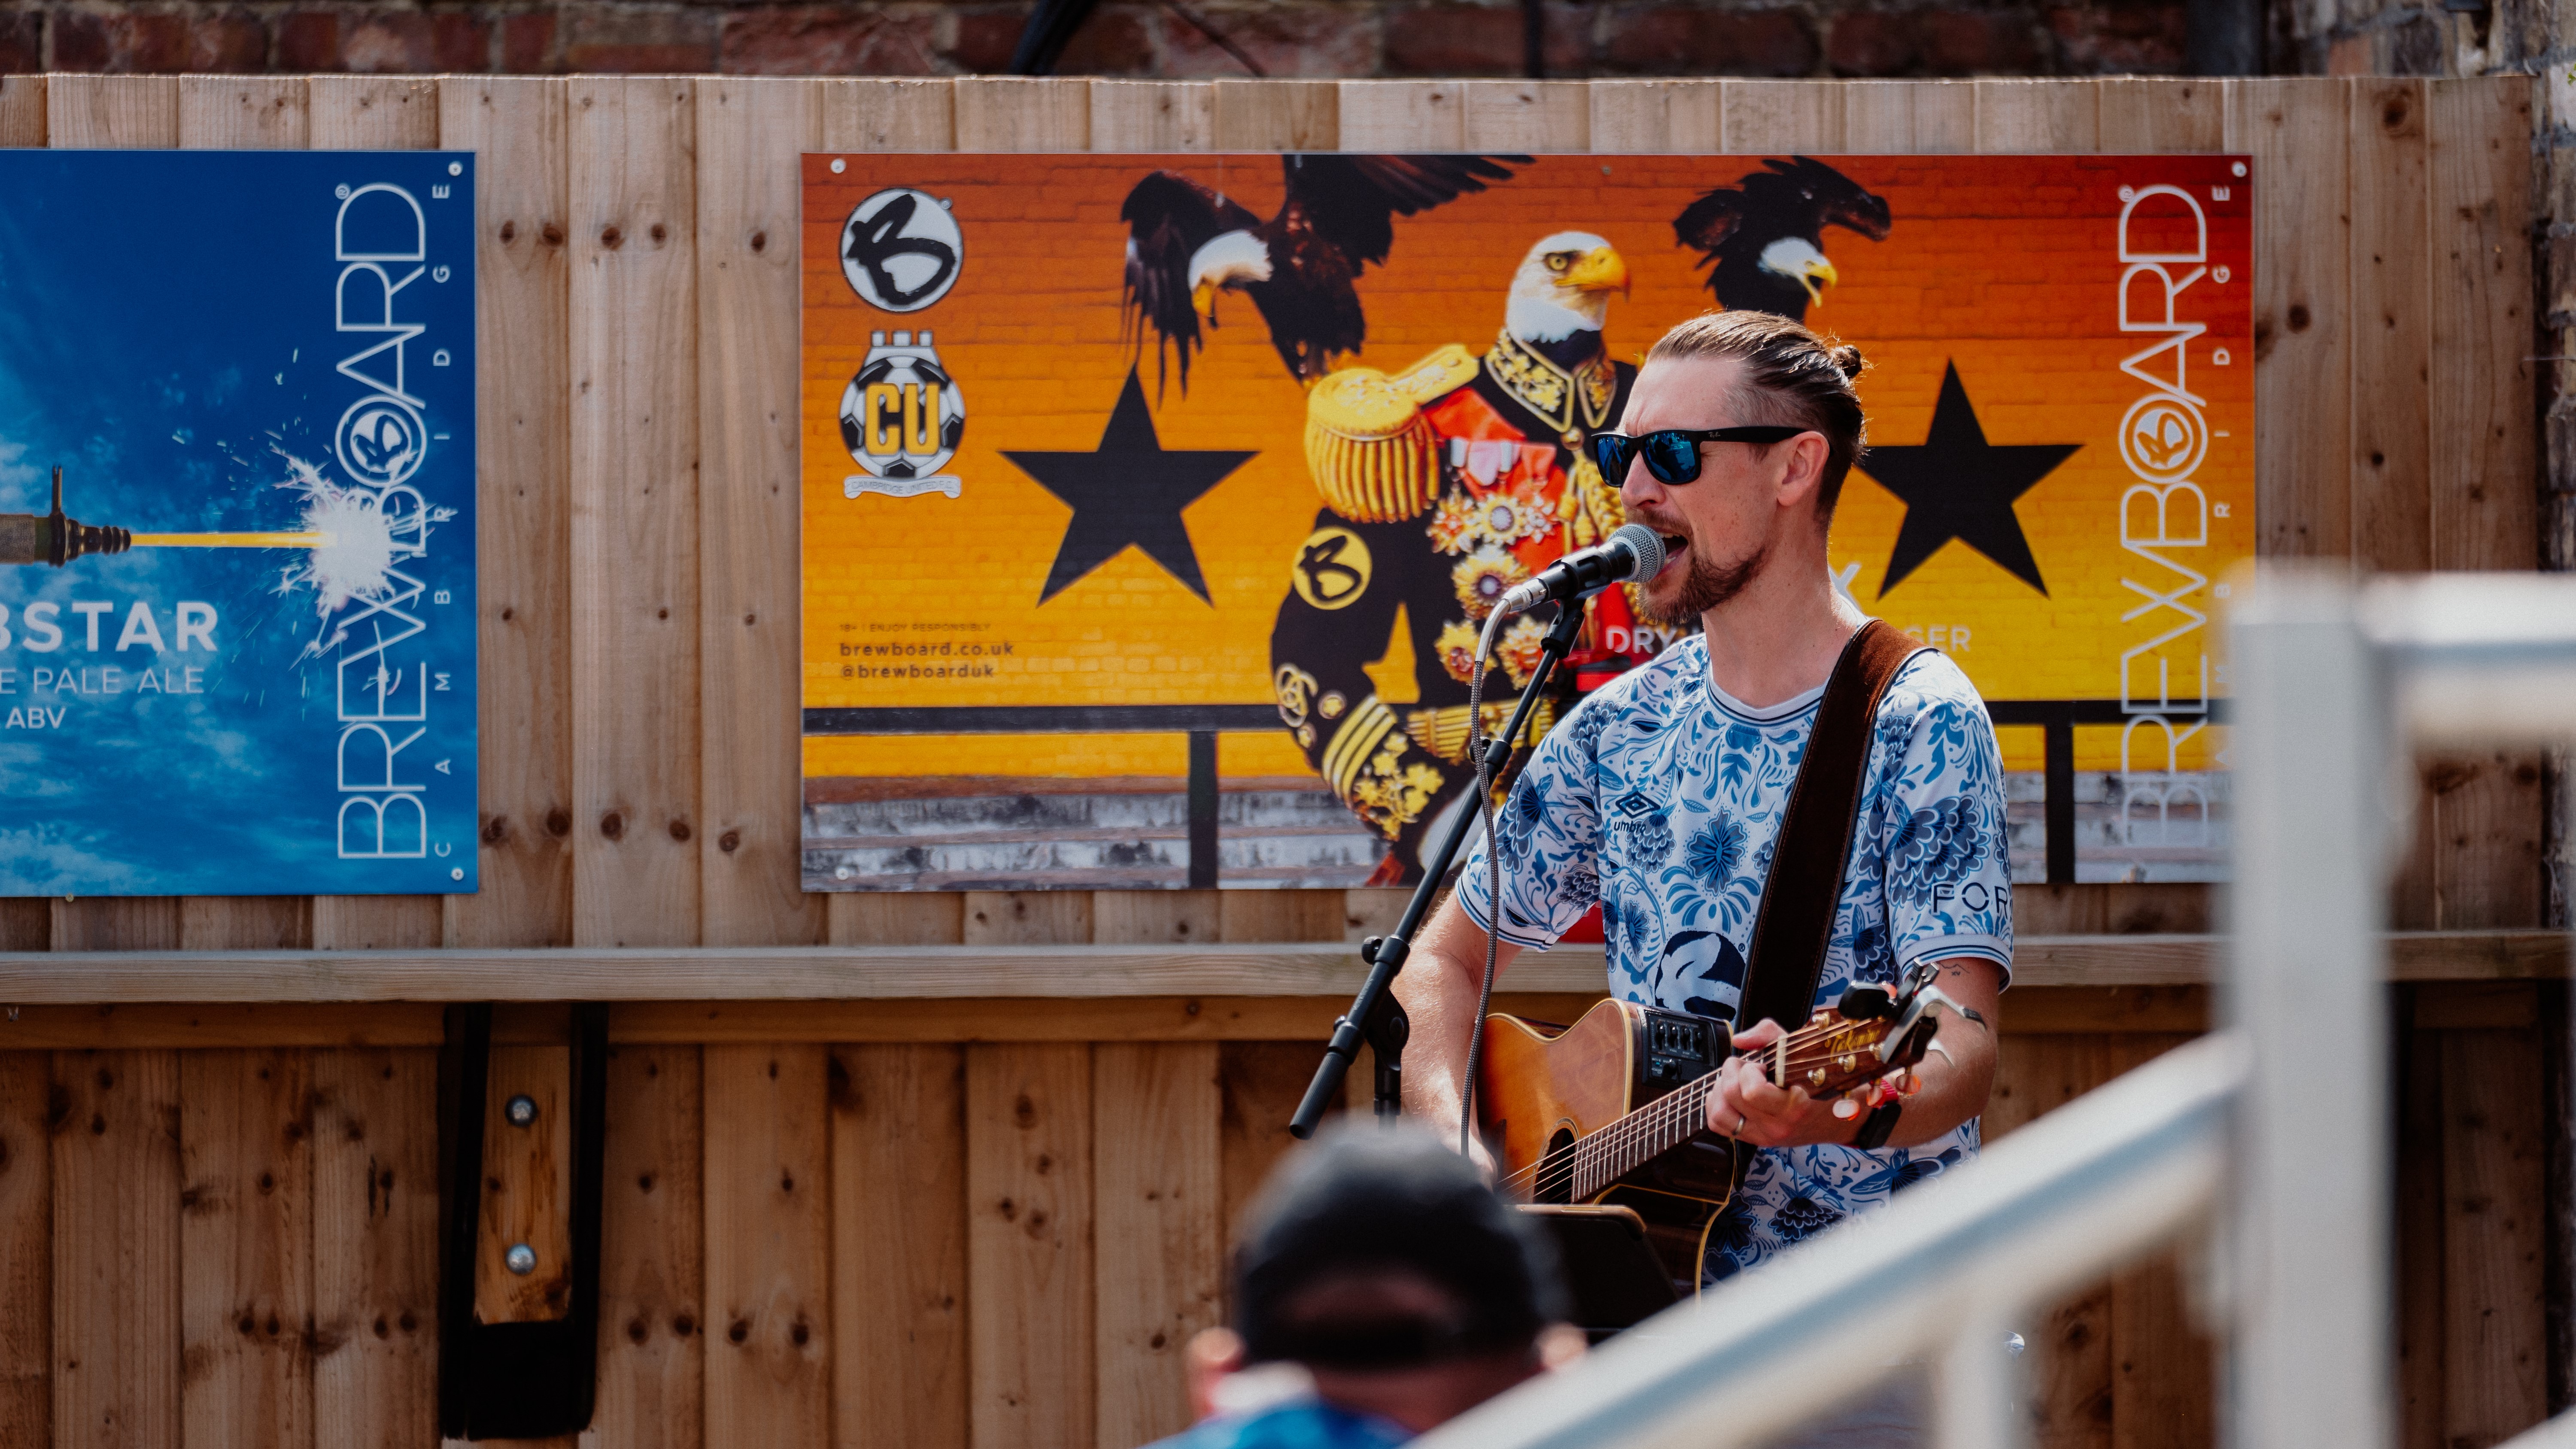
column 167, row 331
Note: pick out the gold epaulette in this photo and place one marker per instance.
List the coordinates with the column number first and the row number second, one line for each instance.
column 1371, row 452
column 1442, row 733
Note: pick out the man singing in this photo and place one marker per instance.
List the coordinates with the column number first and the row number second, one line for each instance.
column 1661, row 797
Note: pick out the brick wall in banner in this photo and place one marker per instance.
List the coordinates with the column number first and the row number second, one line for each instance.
column 1205, row 38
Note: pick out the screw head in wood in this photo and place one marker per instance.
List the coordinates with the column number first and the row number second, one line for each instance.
column 521, row 1259
column 521, row 1110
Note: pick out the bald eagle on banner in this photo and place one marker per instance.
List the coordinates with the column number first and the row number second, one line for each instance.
column 1186, row 245
column 1763, row 239
column 1444, row 483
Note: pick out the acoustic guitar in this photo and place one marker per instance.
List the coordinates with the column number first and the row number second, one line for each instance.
column 1604, row 1111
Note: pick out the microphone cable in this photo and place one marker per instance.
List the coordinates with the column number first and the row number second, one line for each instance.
column 1493, row 872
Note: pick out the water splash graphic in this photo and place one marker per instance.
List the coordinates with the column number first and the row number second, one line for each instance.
column 360, row 532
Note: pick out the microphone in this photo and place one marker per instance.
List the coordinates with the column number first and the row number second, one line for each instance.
column 1633, row 552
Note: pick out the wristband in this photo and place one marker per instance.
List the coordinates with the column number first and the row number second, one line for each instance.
column 1878, row 1126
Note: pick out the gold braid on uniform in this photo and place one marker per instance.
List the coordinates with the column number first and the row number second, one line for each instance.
column 1365, row 761
column 1576, row 405
column 1370, row 450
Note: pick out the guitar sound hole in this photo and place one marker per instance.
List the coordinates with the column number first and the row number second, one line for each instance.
column 1556, row 1171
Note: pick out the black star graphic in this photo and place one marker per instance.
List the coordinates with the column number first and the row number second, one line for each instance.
column 1955, row 484
column 1128, row 490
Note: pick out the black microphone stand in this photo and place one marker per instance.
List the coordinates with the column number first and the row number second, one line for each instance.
column 1375, row 1015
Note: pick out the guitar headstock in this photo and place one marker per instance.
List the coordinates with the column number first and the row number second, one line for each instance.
column 1870, row 1033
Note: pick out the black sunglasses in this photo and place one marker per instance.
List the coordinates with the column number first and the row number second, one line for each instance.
column 1672, row 454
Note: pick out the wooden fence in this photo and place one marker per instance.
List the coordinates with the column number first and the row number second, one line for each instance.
column 882, row 1195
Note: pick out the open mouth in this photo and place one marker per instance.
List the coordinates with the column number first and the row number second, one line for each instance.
column 1674, row 544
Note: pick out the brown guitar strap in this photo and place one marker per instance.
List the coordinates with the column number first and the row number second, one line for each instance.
column 1806, row 881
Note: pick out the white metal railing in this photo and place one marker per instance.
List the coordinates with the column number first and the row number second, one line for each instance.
column 2264, row 1142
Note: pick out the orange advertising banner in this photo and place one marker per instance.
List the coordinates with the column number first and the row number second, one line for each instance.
column 1152, row 503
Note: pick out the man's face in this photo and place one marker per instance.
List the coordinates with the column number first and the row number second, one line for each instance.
column 1718, row 528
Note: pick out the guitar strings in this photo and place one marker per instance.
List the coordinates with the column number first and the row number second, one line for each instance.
column 1588, row 1157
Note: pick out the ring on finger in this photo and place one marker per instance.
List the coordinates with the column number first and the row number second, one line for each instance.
column 1740, row 1120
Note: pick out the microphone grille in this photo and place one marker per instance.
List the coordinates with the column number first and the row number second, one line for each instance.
column 1646, row 545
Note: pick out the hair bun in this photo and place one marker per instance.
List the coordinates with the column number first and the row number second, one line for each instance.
column 1846, row 360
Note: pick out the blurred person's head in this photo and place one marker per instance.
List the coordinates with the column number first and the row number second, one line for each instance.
column 1380, row 1264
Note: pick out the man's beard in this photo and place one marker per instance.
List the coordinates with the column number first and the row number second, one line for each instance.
column 1706, row 585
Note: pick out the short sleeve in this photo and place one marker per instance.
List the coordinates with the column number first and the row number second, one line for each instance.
column 1943, row 847
column 1549, row 837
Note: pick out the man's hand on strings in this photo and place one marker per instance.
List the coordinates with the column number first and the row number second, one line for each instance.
column 1745, row 1105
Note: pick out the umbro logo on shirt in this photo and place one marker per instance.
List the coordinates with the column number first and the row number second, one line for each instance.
column 1634, row 804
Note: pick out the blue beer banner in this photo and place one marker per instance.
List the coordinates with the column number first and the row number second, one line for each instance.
column 236, row 523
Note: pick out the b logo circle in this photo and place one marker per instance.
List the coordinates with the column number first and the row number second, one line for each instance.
column 380, row 441
column 1332, row 568
column 2162, row 438
column 901, row 250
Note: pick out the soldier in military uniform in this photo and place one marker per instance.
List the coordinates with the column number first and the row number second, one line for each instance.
column 1444, row 484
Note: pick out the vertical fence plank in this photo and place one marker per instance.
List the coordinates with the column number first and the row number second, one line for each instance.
column 1528, row 116
column 375, row 1248
column 26, row 1252
column 1403, row 116
column 1910, row 117
column 374, row 113
column 2162, row 1387
column 2070, row 1382
column 523, row 507
column 2418, row 1240
column 527, row 1186
column 115, row 1122
column 1153, row 115
column 246, row 1248
column 634, row 513
column 2391, row 425
column 103, row 923
column 2058, row 117
column 1005, row 114
column 1155, row 917
column 2486, row 823
column 88, row 112
column 2303, row 324
column 2391, row 307
column 243, row 113
column 898, row 1246
column 22, row 110
column 1277, row 115
column 1261, row 1083
column 889, row 115
column 1677, row 116
column 1778, row 117
column 2495, row 1379
column 1027, row 918
column 748, row 135
column 1029, row 1246
column 898, row 918
column 1159, row 1205
column 2162, row 115
column 1279, row 915
column 768, row 1246
column 651, row 1327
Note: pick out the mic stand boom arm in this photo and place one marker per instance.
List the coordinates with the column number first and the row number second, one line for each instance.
column 1375, row 1015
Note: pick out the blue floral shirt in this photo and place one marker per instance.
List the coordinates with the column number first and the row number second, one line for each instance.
column 1660, row 798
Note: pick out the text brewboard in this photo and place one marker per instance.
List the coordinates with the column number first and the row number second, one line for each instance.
column 260, row 365
column 1052, row 575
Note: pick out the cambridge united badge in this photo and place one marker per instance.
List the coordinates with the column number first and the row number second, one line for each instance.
column 901, row 418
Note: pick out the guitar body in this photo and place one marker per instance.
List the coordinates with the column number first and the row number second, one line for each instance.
column 1541, row 1089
